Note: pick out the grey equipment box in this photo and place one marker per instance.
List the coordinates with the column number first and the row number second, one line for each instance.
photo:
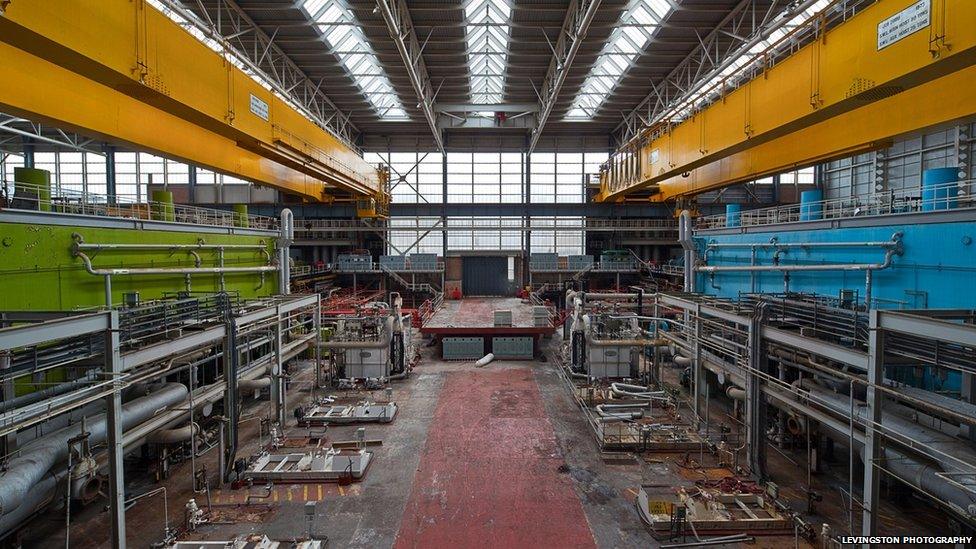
column 611, row 362
column 503, row 318
column 462, row 348
column 367, row 363
column 394, row 262
column 513, row 348
column 423, row 262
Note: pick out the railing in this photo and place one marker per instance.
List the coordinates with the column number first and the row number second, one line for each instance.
column 124, row 207
column 665, row 226
column 892, row 202
column 667, row 268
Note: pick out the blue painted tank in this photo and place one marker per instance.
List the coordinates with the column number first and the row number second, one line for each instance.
column 939, row 188
column 733, row 215
column 811, row 207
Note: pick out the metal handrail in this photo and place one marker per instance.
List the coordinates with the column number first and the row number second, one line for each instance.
column 71, row 202
column 892, row 202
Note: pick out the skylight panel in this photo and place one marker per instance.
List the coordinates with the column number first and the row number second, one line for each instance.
column 487, row 34
column 710, row 89
column 351, row 48
column 637, row 26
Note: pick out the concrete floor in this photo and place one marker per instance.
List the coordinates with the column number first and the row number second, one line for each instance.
column 518, row 468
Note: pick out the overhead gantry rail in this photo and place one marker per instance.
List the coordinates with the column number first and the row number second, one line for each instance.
column 894, row 68
column 124, row 72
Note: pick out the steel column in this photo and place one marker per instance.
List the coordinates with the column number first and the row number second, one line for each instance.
column 113, row 368
column 277, row 375
column 755, row 401
column 873, row 450
column 231, row 410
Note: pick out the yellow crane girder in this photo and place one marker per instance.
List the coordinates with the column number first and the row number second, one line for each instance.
column 839, row 95
column 123, row 72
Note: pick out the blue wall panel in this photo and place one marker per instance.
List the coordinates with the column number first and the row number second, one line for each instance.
column 939, row 259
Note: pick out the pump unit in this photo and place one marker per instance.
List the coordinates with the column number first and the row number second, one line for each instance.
column 374, row 343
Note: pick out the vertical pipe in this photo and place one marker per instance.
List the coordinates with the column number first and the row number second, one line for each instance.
column 317, row 322
column 867, row 289
column 277, row 387
column 113, row 367
column 108, row 291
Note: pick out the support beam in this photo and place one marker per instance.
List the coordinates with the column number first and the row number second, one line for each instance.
column 398, row 21
column 577, row 22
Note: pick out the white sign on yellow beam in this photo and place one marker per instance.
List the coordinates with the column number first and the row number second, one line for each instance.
column 904, row 23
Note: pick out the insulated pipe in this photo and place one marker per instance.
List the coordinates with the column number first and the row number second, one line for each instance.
column 893, row 243
column 483, row 361
column 287, row 236
column 606, row 411
column 688, row 245
column 636, row 391
column 682, row 360
column 735, row 393
column 172, row 436
column 889, row 255
column 175, row 270
column 37, row 396
column 254, row 384
column 36, row 458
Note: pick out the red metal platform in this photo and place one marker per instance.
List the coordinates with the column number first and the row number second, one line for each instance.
column 475, row 316
column 489, row 475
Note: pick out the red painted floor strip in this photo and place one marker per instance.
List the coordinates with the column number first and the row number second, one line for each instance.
column 489, row 473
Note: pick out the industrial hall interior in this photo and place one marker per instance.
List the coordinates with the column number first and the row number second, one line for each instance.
column 450, row 274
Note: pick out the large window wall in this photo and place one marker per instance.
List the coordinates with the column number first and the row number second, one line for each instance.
column 561, row 177
column 414, row 228
column 899, row 167
column 484, row 177
column 415, row 177
column 546, row 239
column 85, row 173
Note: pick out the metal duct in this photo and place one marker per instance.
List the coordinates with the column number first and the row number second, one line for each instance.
column 36, row 458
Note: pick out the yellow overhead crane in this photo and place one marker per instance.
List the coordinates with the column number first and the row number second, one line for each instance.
column 844, row 93
column 122, row 71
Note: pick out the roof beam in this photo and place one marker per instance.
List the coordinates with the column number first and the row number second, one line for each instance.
column 578, row 18
column 398, row 22
column 226, row 23
column 744, row 27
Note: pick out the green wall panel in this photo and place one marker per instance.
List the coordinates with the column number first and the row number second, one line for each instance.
column 38, row 272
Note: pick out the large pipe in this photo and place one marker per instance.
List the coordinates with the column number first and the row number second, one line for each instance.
column 688, row 245
column 889, row 255
column 173, row 270
column 172, row 436
column 285, row 239
column 923, row 476
column 36, row 458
